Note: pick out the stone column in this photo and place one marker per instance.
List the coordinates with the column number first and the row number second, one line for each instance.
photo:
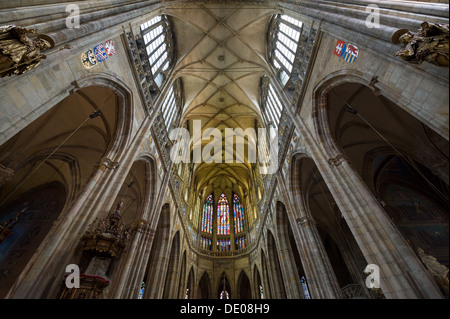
column 319, row 273
column 402, row 274
column 318, row 270
column 123, row 285
column 61, row 241
column 290, row 275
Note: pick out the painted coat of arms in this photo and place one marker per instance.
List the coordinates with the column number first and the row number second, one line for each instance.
column 109, row 47
column 88, row 59
column 347, row 51
column 100, row 52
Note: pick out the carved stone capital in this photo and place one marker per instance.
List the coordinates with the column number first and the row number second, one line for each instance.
column 306, row 221
column 107, row 163
column 336, row 161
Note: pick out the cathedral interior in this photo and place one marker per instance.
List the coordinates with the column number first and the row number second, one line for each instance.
column 226, row 149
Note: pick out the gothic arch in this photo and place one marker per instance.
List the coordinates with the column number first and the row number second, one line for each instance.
column 224, row 288
column 154, row 277
column 243, row 286
column 173, row 268
column 288, row 249
column 265, row 273
column 275, row 268
column 69, row 144
column 352, row 118
column 190, row 285
column 258, row 288
column 182, row 286
column 204, row 287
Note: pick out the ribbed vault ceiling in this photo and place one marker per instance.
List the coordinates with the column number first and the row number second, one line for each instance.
column 221, row 51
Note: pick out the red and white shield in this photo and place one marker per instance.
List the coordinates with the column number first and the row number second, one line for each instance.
column 109, row 47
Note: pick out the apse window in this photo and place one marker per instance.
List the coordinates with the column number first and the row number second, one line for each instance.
column 284, row 43
column 157, row 40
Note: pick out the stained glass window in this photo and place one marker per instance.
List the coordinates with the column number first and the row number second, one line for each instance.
column 205, row 243
column 223, row 216
column 261, row 291
column 141, row 291
column 305, row 287
column 223, row 245
column 208, row 208
column 241, row 242
column 224, row 295
column 238, row 215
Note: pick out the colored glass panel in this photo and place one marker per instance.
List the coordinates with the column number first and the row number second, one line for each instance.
column 238, row 214
column 305, row 287
column 205, row 243
column 241, row 242
column 223, row 216
column 223, row 245
column 208, row 215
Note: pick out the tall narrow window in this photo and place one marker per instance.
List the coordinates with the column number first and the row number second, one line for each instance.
column 223, row 216
column 155, row 33
column 224, row 295
column 241, row 242
column 284, row 44
column 272, row 105
column 223, row 245
column 238, row 214
column 208, row 208
column 169, row 107
column 141, row 290
column 305, row 287
column 205, row 243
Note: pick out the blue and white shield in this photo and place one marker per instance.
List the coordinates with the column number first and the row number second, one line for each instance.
column 351, row 53
column 100, row 53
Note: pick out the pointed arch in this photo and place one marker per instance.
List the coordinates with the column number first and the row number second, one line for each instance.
column 153, row 278
column 244, row 288
column 189, row 291
column 257, row 283
column 275, row 268
column 171, row 277
column 224, row 288
column 204, row 287
column 182, row 280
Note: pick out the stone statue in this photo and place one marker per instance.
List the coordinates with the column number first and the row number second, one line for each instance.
column 7, row 226
column 430, row 43
column 19, row 53
column 439, row 271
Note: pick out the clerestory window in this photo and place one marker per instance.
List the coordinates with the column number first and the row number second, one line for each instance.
column 283, row 41
column 158, row 45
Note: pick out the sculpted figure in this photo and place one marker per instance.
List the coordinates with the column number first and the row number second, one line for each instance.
column 430, row 43
column 18, row 52
column 439, row 271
